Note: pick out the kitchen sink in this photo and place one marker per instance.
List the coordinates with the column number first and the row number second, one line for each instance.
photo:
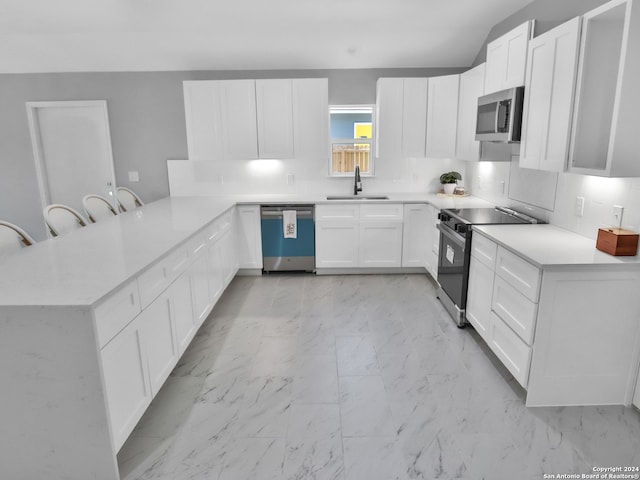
column 357, row 197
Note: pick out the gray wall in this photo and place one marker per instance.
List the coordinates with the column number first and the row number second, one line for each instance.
column 547, row 14
column 146, row 116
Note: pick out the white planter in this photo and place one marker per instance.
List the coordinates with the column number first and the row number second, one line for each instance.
column 449, row 188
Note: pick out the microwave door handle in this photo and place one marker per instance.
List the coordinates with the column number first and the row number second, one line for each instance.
column 497, row 120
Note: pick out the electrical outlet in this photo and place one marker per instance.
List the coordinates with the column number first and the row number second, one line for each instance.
column 134, row 176
column 616, row 216
column 290, row 178
column 579, row 207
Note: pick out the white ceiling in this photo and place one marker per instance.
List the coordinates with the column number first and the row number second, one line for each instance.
column 148, row 35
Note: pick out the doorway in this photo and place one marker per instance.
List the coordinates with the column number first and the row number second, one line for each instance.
column 72, row 150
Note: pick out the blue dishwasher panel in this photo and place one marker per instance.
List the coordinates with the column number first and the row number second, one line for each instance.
column 275, row 245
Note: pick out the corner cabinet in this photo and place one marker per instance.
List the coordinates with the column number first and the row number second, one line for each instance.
column 507, row 59
column 549, row 94
column 471, row 87
column 605, row 133
column 401, row 117
column 544, row 324
column 442, row 116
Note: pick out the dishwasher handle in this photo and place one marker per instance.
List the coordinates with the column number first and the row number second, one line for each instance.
column 276, row 212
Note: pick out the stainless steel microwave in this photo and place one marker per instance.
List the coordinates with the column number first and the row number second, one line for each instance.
column 499, row 116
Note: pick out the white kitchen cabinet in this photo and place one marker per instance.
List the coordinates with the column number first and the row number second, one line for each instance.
column 216, row 274
column 311, row 118
column 185, row 322
column 228, row 251
column 548, row 98
column 479, row 294
column 636, row 397
column 401, row 116
column 415, row 234
column 157, row 327
column 238, row 119
column 249, row 236
column 126, row 380
column 471, row 87
column 442, row 116
column 274, row 109
column 380, row 242
column 202, row 115
column 198, row 274
column 507, row 59
column 604, row 139
column 433, row 241
column 337, row 236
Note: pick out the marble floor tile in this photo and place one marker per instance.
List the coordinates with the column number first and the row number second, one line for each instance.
column 364, row 407
column 356, row 356
column 374, row 458
column 356, row 377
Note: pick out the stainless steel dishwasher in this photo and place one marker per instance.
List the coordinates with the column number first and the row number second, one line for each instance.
column 288, row 254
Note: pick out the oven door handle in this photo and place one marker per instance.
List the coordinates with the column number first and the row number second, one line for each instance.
column 454, row 237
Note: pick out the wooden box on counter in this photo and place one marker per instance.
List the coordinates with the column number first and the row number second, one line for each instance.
column 617, row 241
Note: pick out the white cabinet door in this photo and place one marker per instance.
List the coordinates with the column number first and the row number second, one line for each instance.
column 126, row 380
column 380, row 244
column 216, row 275
column 433, row 240
column 202, row 114
column 238, row 119
column 414, row 117
column 159, row 339
column 479, row 296
column 311, row 118
column 337, row 244
column 636, row 397
column 389, row 113
column 228, row 256
column 507, row 59
column 442, row 116
column 471, row 87
column 186, row 323
column 199, row 279
column 549, row 89
column 401, row 117
column 415, row 235
column 249, row 236
column 274, row 109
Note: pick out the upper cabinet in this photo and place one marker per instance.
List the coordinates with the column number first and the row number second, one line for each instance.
column 274, row 104
column 442, row 116
column 249, row 119
column 471, row 87
column 238, row 117
column 401, row 117
column 549, row 93
column 507, row 59
column 604, row 141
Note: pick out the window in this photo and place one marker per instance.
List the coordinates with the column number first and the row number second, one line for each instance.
column 351, row 139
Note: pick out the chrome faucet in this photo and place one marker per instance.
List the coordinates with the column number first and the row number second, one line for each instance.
column 357, row 185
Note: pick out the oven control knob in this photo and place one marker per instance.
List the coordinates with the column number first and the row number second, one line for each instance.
column 460, row 228
column 443, row 217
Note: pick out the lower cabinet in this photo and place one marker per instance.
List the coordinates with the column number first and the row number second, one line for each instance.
column 126, row 379
column 249, row 236
column 433, row 239
column 547, row 325
column 186, row 322
column 359, row 236
column 416, row 243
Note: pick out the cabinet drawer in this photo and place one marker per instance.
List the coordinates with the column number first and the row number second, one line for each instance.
column 337, row 212
column 225, row 221
column 511, row 350
column 519, row 273
column 157, row 278
column 514, row 309
column 196, row 245
column 381, row 212
column 114, row 313
column 484, row 250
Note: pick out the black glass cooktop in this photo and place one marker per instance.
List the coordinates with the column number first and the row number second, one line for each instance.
column 488, row 216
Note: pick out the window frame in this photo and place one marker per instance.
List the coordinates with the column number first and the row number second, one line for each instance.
column 363, row 108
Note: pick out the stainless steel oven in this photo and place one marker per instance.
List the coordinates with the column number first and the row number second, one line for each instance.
column 455, row 251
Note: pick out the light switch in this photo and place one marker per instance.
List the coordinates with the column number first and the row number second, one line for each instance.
column 134, row 176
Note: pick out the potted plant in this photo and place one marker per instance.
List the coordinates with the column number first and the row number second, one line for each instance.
column 449, row 181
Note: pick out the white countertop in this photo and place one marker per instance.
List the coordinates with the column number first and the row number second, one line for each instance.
column 547, row 245
column 86, row 265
